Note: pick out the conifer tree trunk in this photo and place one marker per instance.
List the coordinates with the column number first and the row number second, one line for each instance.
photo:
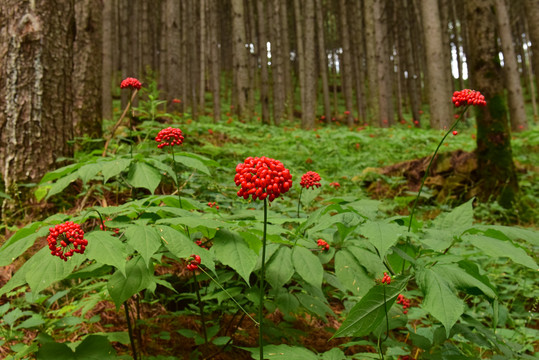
column 277, row 62
column 322, row 59
column 215, row 71
column 495, row 166
column 346, row 63
column 240, row 61
column 309, row 108
column 374, row 101
column 383, row 70
column 532, row 16
column 300, row 59
column 106, row 76
column 263, row 55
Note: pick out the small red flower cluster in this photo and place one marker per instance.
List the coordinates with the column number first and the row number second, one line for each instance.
column 310, row 178
column 176, row 101
column 262, row 178
column 404, row 301
column 322, row 244
column 130, row 82
column 64, row 236
column 386, row 279
column 212, row 204
column 468, row 97
column 194, row 261
column 336, row 185
column 347, row 113
column 169, row 137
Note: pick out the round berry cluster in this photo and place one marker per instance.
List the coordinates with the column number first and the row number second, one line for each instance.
column 169, row 137
column 386, row 279
column 212, row 204
column 310, row 178
column 404, row 302
column 336, row 185
column 130, row 82
column 468, row 97
column 67, row 236
column 324, row 246
column 194, row 261
column 262, row 178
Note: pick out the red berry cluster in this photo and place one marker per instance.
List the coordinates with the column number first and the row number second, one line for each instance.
column 104, row 227
column 194, row 261
column 404, row 301
column 262, row 178
column 130, row 82
column 323, row 245
column 212, row 204
column 386, row 279
column 176, row 101
column 336, row 185
column 468, row 97
column 169, row 137
column 66, row 236
column 310, row 178
column 405, row 357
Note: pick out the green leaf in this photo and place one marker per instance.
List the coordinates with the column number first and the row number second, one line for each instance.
column 458, row 220
column 515, row 233
column 381, row 235
column 500, row 248
column 280, row 268
column 286, row 302
column 137, row 278
column 283, row 352
column 232, row 250
column 49, row 269
column 463, row 280
column 350, row 274
column 437, row 240
column 95, row 347
column 308, row 266
column 440, row 298
column 20, row 242
column 142, row 175
column 55, row 351
column 143, row 239
column 88, row 171
column 106, row 249
column 5, row 196
column 334, row 354
column 58, row 173
column 34, row 321
column 370, row 311
column 192, row 163
column 61, row 184
column 113, row 167
column 315, row 305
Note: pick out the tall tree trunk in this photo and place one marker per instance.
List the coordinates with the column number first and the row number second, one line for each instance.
column 300, row 58
column 172, row 74
column 106, row 76
column 263, row 55
column 494, row 156
column 277, row 62
column 383, row 69
column 309, row 108
column 287, row 67
column 213, row 26
column 202, row 57
column 374, row 101
column 532, row 17
column 87, row 69
column 358, row 51
column 414, row 76
column 241, row 69
column 438, row 89
column 36, row 65
column 322, row 59
column 517, row 112
column 346, row 63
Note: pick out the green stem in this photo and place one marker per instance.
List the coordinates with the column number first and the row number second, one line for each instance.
column 299, row 200
column 387, row 325
column 178, row 187
column 130, row 331
column 262, row 274
column 201, row 307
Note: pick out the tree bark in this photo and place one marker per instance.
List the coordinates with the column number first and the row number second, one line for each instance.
column 241, row 70
column 532, row 16
column 309, row 108
column 263, row 55
column 346, row 64
column 322, row 59
column 438, row 89
column 277, row 63
column 87, row 69
column 36, row 64
column 300, row 57
column 374, row 102
column 495, row 166
column 106, row 76
column 215, row 73
column 517, row 111
column 383, row 69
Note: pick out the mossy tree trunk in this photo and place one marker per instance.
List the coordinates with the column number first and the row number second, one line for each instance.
column 496, row 170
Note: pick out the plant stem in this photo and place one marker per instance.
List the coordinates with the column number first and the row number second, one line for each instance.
column 119, row 122
column 201, row 307
column 299, row 200
column 130, row 331
column 262, row 274
column 178, row 187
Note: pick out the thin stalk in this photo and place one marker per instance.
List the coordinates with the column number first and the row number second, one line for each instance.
column 130, row 331
column 387, row 325
column 178, row 187
column 262, row 274
column 201, row 307
column 119, row 122
column 299, row 200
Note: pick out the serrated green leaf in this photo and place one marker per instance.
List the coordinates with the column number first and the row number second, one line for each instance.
column 458, row 220
column 88, row 171
column 286, row 302
column 20, row 242
column 61, row 184
column 308, row 266
column 334, row 354
column 462, row 280
column 381, row 235
column 440, row 300
column 142, row 175
column 499, row 248
column 280, row 268
column 113, row 167
column 95, row 347
column 315, row 305
column 144, row 239
column 58, row 173
column 351, row 274
column 232, row 250
column 137, row 278
column 437, row 240
column 192, row 163
column 106, row 249
column 55, row 351
column 370, row 311
column 34, row 321
column 515, row 233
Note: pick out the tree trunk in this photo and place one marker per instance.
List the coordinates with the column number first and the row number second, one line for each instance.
column 374, row 102
column 263, row 55
column 300, row 58
column 532, row 16
column 346, row 64
column 202, row 57
column 285, row 53
column 438, row 89
column 414, row 76
column 241, row 70
column 213, row 8
column 322, row 59
column 36, row 64
column 494, row 156
column 383, row 69
column 517, row 112
column 172, row 73
column 87, row 69
column 309, row 108
column 277, row 63
column 358, row 52
column 106, row 78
